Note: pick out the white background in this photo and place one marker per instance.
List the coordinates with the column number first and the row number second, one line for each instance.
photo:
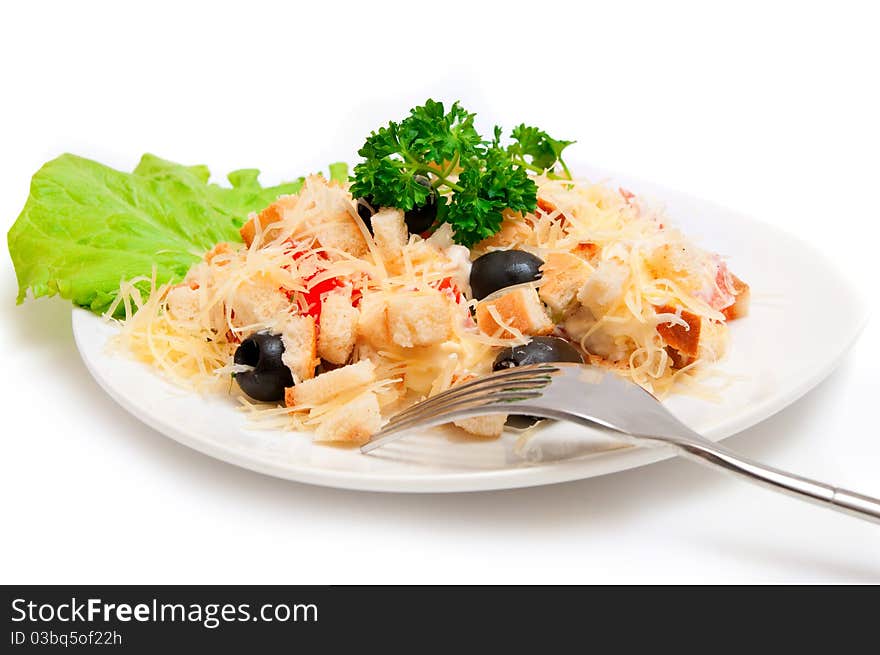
column 767, row 108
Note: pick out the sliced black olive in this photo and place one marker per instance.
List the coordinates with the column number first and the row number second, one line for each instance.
column 269, row 377
column 366, row 207
column 503, row 268
column 420, row 219
column 540, row 350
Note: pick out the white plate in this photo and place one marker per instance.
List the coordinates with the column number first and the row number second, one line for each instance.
column 804, row 317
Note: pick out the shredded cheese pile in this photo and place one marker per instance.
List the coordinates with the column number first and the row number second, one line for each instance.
column 633, row 266
column 637, row 263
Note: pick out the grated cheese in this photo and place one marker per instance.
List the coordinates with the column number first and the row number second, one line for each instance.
column 190, row 331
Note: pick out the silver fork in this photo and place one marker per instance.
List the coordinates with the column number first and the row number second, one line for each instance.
column 591, row 396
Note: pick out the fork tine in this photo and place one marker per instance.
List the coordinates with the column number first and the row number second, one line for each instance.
column 524, row 374
column 438, row 401
column 505, row 374
column 497, row 390
column 453, row 406
column 393, row 432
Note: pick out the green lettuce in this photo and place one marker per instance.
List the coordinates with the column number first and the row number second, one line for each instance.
column 85, row 227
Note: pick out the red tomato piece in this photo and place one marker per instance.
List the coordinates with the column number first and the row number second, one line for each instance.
column 446, row 284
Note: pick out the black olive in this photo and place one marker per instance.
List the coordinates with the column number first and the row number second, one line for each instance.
column 420, row 219
column 366, row 207
column 503, row 268
column 269, row 377
column 540, row 350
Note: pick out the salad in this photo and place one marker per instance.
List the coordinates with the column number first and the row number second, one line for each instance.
column 331, row 302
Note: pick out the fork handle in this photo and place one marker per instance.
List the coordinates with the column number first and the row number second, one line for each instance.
column 710, row 454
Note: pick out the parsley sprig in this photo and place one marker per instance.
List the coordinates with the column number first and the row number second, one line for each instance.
column 473, row 180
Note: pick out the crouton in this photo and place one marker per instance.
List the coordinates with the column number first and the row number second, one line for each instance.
column 257, row 300
column 326, row 212
column 604, row 287
column 222, row 250
column 563, row 275
column 186, row 301
column 338, row 328
column 182, row 302
column 740, row 307
column 355, row 422
column 521, row 309
column 390, row 234
column 340, row 232
column 274, row 213
column 372, row 326
column 320, row 210
column 483, row 426
column 300, row 347
column 421, row 318
column 684, row 340
column 491, row 425
column 328, row 385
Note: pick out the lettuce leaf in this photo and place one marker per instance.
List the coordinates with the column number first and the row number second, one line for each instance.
column 85, row 226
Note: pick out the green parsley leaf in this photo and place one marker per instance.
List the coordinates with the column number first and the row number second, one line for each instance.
column 473, row 180
column 543, row 150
